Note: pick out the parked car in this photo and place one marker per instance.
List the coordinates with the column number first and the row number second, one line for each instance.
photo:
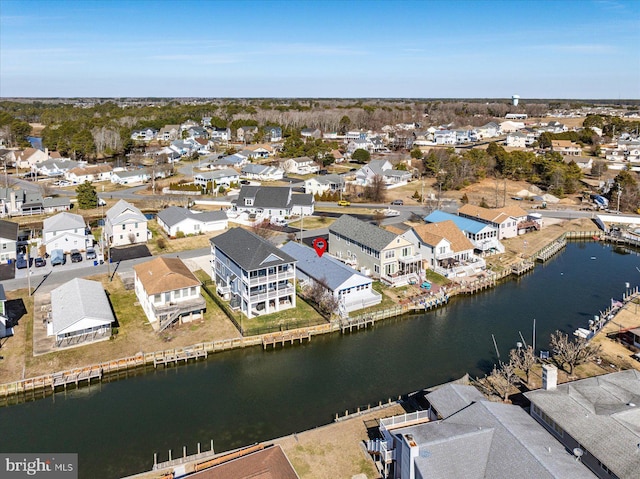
column 21, row 262
column 244, row 182
column 76, row 256
column 58, row 257
column 91, row 253
column 40, row 262
column 344, row 203
column 397, row 202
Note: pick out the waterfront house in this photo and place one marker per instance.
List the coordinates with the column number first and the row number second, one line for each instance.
column 352, row 290
column 253, row 171
column 508, row 220
column 374, row 251
column 319, row 185
column 168, row 292
column 65, row 231
column 300, row 166
column 8, row 241
column 174, row 220
column 483, row 236
column 125, row 224
column 598, row 415
column 470, row 437
column 213, row 179
column 272, row 202
column 80, row 313
column 251, row 274
column 445, row 249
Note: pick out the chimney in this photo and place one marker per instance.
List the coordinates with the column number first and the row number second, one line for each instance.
column 549, row 377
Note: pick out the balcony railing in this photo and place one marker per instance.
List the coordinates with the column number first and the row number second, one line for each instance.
column 275, row 293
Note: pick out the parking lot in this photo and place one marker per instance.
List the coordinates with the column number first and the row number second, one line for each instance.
column 68, row 266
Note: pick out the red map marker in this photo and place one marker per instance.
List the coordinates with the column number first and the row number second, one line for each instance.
column 320, row 246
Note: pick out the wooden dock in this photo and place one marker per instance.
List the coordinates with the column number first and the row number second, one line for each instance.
column 286, row 337
column 551, row 249
column 165, row 358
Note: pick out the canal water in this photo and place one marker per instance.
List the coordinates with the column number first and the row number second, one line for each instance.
column 244, row 396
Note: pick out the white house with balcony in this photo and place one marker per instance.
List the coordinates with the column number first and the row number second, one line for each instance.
column 509, row 220
column 125, row 224
column 168, row 292
column 250, row 273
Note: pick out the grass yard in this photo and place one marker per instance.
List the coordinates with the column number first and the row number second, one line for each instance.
column 303, row 315
column 313, row 222
column 160, row 243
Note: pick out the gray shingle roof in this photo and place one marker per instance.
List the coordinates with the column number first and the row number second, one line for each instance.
column 362, row 233
column 597, row 413
column 76, row 300
column 174, row 214
column 63, row 221
column 491, row 440
column 216, row 174
column 9, row 230
column 123, row 212
column 249, row 250
column 452, row 398
column 324, row 268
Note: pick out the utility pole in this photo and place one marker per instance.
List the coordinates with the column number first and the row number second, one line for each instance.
column 619, row 195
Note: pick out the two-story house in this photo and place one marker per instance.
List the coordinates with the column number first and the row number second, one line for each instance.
column 222, row 134
column 445, row 249
column 251, row 274
column 273, row 202
column 374, row 251
column 483, row 236
column 506, row 220
column 273, row 133
column 384, row 169
column 300, row 166
column 168, row 292
column 125, row 224
column 318, row 185
column 8, row 241
column 65, row 231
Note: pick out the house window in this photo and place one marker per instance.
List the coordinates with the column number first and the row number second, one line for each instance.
column 120, row 236
column 196, row 227
column 136, row 225
column 177, row 293
column 193, row 291
column 406, row 251
column 157, row 298
column 123, row 227
column 376, row 268
column 389, row 254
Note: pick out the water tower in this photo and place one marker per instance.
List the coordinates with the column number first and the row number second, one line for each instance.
column 515, row 99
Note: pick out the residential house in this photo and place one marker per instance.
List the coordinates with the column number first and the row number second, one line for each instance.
column 168, row 292
column 319, row 185
column 314, row 133
column 202, row 145
column 222, row 134
column 54, row 167
column 259, row 151
column 554, row 127
column 184, row 147
column 511, row 126
column 55, row 204
column 130, row 177
column 89, row 173
column 145, row 135
column 383, row 168
column 246, row 133
column 466, row 135
column 470, row 437
column 251, row 274
column 444, row 249
column 358, row 144
column 198, row 132
column 253, row 171
column 6, row 329
column 8, row 241
column 174, row 220
column 28, row 202
column 237, row 160
column 516, row 140
column 483, row 236
column 272, row 202
column 352, row 290
column 354, row 135
column 490, row 130
column 216, row 178
column 532, row 136
column 300, row 166
column 80, row 313
column 444, row 137
column 374, row 251
column 169, row 133
column 65, row 231
column 125, row 224
column 258, row 462
column 506, row 220
column 584, row 163
column 273, row 133
column 337, row 155
column 420, row 138
column 30, row 156
column 599, row 416
column 566, row 147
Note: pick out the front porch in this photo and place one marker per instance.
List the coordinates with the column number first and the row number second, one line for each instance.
column 185, row 311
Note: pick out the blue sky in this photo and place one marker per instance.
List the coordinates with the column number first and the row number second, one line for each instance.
column 398, row 49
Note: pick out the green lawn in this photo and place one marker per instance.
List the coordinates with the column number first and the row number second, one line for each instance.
column 303, row 315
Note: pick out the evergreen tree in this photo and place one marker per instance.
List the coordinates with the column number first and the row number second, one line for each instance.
column 87, row 196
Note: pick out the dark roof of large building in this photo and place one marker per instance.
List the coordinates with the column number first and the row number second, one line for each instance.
column 8, row 230
column 361, row 232
column 249, row 250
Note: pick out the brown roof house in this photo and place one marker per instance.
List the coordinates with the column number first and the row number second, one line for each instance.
column 445, row 249
column 168, row 292
column 506, row 219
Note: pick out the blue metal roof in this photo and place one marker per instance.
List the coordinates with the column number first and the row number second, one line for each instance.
column 465, row 224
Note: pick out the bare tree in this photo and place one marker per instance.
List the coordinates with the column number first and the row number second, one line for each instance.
column 263, row 229
column 502, row 379
column 377, row 191
column 523, row 359
column 319, row 293
column 572, row 353
column 132, row 238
